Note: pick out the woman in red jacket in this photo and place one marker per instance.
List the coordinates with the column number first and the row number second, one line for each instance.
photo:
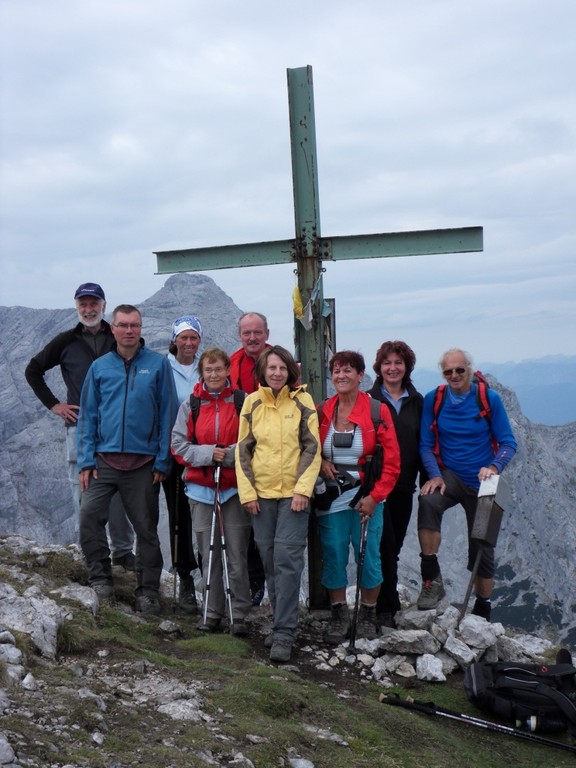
column 349, row 438
column 200, row 443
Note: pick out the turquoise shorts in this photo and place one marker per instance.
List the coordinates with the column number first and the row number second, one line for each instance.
column 340, row 529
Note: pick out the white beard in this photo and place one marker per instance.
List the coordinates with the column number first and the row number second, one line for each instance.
column 91, row 322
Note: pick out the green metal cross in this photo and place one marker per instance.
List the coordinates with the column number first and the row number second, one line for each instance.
column 308, row 249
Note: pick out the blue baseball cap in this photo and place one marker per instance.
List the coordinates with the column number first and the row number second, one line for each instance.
column 90, row 289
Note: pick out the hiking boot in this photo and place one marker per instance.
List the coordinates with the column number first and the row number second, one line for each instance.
column 385, row 619
column 339, row 625
column 482, row 608
column 148, row 603
column 210, row 625
column 187, row 595
column 257, row 593
column 239, row 628
column 127, row 561
column 105, row 592
column 269, row 640
column 367, row 622
column 431, row 594
column 281, row 650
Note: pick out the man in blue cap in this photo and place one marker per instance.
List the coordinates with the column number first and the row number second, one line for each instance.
column 75, row 351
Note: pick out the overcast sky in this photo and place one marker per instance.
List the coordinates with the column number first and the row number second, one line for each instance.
column 144, row 125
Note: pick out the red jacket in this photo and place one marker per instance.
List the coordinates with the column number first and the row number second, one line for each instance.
column 243, row 371
column 386, row 437
column 193, row 443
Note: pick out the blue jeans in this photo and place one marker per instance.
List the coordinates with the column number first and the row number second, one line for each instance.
column 120, row 532
column 140, row 498
column 281, row 536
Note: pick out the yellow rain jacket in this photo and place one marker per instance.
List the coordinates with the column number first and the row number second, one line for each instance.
column 278, row 450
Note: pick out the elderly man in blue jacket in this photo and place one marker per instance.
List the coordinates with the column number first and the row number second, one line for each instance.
column 127, row 407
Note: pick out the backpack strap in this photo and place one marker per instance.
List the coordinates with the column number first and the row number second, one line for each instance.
column 194, row 407
column 564, row 704
column 239, row 396
column 485, row 411
column 377, row 419
column 439, row 398
column 374, row 412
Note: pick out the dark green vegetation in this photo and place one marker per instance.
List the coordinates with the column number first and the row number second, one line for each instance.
column 268, row 713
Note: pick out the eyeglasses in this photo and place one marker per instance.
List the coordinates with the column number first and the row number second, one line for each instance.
column 451, row 371
column 128, row 326
column 214, row 371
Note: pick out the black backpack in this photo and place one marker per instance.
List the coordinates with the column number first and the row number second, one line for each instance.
column 537, row 697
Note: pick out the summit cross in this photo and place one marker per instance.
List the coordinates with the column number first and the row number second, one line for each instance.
column 308, row 249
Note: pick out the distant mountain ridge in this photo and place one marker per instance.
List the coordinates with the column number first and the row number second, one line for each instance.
column 537, row 568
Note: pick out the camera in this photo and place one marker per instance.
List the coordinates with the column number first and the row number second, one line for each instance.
column 342, row 439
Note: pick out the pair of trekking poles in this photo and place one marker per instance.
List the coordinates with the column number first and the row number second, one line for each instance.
column 216, row 517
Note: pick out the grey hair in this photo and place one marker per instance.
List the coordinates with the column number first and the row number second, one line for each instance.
column 247, row 314
column 457, row 351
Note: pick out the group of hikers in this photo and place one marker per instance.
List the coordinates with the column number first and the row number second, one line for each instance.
column 244, row 456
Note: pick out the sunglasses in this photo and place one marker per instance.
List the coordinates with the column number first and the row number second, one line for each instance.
column 450, row 371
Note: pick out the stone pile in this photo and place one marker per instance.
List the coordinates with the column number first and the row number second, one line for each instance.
column 430, row 645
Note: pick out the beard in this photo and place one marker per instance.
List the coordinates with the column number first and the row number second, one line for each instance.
column 91, row 322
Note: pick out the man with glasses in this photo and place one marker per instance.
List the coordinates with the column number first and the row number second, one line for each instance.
column 74, row 351
column 459, row 447
column 127, row 407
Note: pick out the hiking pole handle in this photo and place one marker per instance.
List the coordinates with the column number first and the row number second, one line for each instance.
column 428, row 708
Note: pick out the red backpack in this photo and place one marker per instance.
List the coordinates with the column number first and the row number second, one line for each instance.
column 485, row 412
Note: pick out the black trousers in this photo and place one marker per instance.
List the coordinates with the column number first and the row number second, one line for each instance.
column 397, row 513
column 180, row 523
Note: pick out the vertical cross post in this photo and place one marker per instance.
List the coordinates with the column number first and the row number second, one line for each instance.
column 309, row 344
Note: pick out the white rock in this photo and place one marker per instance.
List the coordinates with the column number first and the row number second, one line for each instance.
column 182, row 709
column 429, row 667
column 83, row 595
column 405, row 670
column 9, row 654
column 7, row 755
column 410, row 641
column 29, row 683
column 414, row 619
column 459, row 651
column 478, row 633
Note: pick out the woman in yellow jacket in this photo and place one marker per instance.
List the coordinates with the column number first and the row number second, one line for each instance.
column 277, row 463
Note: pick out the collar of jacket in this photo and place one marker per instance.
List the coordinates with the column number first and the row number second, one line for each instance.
column 285, row 393
column 201, row 392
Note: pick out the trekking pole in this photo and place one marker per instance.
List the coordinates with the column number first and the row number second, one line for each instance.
column 175, row 507
column 218, row 509
column 209, row 572
column 429, row 708
column 361, row 556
